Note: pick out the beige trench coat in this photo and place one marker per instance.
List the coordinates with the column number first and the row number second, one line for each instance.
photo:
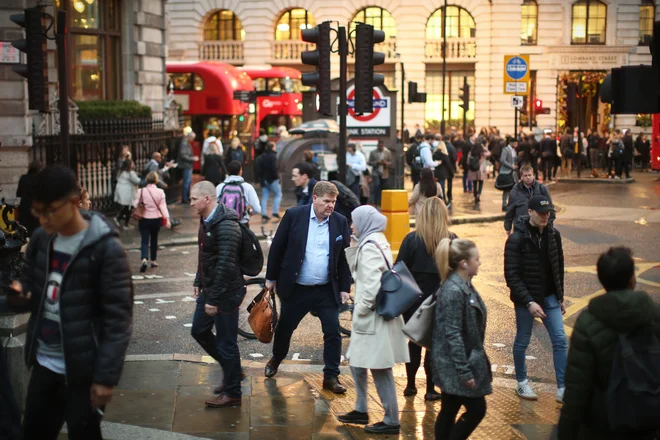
column 375, row 343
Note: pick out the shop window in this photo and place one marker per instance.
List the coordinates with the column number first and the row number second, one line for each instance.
column 377, row 17
column 292, row 22
column 453, row 111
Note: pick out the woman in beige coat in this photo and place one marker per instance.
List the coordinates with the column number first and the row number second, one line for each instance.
column 376, row 344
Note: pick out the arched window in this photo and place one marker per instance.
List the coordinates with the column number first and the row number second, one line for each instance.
column 646, row 17
column 292, row 22
column 589, row 22
column 460, row 24
column 529, row 21
column 223, row 25
column 379, row 18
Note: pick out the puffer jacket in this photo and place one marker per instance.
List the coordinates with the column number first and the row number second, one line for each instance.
column 593, row 346
column 518, row 200
column 96, row 303
column 218, row 271
column 522, row 264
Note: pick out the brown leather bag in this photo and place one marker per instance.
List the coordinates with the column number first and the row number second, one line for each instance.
column 138, row 213
column 263, row 316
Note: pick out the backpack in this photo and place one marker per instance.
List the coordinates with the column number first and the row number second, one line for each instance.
column 232, row 195
column 617, row 151
column 633, row 392
column 251, row 259
column 418, row 163
column 474, row 163
column 346, row 199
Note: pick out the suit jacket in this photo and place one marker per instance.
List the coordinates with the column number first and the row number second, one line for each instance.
column 387, row 157
column 288, row 251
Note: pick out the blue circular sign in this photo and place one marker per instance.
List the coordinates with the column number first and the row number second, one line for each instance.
column 516, row 68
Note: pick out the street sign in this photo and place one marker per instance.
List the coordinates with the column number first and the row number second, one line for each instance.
column 516, row 74
column 9, row 54
column 517, row 102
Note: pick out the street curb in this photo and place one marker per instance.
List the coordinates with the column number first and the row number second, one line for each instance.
column 589, row 180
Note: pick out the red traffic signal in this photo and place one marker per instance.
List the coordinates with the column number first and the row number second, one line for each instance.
column 538, row 104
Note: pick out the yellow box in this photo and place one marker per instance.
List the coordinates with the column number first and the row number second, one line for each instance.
column 394, row 200
column 398, row 226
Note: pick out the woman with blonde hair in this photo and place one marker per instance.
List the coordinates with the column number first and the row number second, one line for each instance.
column 376, row 344
column 214, row 167
column 460, row 365
column 417, row 252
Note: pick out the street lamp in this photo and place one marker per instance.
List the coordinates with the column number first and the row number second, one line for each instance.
column 400, row 160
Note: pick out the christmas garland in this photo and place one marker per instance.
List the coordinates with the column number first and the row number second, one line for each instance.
column 590, row 83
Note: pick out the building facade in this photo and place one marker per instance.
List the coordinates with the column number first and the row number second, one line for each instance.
column 572, row 45
column 116, row 50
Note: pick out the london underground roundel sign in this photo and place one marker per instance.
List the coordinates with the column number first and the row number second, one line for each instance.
column 379, row 104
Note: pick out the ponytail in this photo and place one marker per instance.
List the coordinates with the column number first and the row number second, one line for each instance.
column 450, row 252
column 442, row 257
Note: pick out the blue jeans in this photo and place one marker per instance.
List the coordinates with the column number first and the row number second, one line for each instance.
column 377, row 187
column 187, row 181
column 554, row 323
column 467, row 184
column 276, row 189
column 223, row 347
column 149, row 229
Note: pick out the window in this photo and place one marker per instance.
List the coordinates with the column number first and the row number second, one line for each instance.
column 94, row 45
column 292, row 22
column 529, row 22
column 223, row 26
column 453, row 111
column 646, row 17
column 379, row 18
column 185, row 81
column 589, row 22
column 460, row 24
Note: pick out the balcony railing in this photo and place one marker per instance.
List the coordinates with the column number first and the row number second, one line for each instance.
column 387, row 47
column 226, row 51
column 289, row 50
column 458, row 49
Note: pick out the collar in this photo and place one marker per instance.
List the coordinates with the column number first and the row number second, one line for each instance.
column 207, row 219
column 312, row 216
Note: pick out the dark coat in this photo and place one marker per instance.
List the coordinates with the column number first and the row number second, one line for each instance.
column 288, row 251
column 218, row 271
column 522, row 264
column 25, row 190
column 96, row 303
column 441, row 172
column 548, row 148
column 214, row 169
column 518, row 199
column 458, row 352
column 267, row 168
column 452, row 157
column 593, row 346
column 628, row 149
column 305, row 199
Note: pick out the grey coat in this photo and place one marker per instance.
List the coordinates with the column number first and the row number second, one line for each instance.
column 458, row 353
column 507, row 160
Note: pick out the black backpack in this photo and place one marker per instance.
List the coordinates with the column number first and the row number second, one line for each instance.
column 251, row 259
column 633, row 393
column 474, row 163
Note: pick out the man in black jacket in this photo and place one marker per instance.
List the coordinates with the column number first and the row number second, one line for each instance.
column 520, row 195
column 534, row 271
column 628, row 154
column 219, row 288
column 308, row 270
column 548, row 155
column 76, row 281
column 452, row 157
column 269, row 178
column 301, row 176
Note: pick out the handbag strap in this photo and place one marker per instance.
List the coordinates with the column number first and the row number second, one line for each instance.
column 387, row 262
column 154, row 200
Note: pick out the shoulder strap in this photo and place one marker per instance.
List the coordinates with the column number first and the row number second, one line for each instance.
column 389, row 266
column 154, row 200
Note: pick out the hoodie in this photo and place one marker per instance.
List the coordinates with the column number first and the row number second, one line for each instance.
column 593, row 346
column 250, row 193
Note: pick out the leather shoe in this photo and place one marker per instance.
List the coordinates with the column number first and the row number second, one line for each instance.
column 355, row 417
column 410, row 391
column 433, row 396
column 333, row 385
column 271, row 367
column 223, row 401
column 382, row 428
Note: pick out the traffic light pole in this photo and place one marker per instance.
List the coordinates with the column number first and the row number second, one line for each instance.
column 515, row 123
column 343, row 107
column 63, row 81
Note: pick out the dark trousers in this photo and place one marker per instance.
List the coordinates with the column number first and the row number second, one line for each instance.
column 577, row 163
column 149, row 229
column 377, row 186
column 450, row 186
column 124, row 214
column 621, row 167
column 478, row 186
column 546, row 167
column 304, row 299
column 223, row 347
column 50, row 403
column 10, row 416
column 414, row 364
column 467, row 183
column 355, row 187
column 446, row 425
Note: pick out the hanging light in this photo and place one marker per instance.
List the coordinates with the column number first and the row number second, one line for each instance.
column 79, row 6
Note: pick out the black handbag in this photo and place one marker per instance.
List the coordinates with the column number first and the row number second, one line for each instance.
column 504, row 181
column 398, row 289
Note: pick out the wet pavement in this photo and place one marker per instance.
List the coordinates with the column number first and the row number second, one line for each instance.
column 158, row 399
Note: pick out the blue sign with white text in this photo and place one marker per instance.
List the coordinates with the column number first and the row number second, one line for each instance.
column 516, row 68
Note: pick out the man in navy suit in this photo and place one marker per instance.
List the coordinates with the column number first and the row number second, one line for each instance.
column 307, row 268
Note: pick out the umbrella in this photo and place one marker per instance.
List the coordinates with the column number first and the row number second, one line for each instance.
column 317, row 127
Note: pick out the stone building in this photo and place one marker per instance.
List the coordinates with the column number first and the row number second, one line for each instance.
column 116, row 50
column 572, row 44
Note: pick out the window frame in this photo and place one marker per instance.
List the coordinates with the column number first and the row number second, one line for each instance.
column 363, row 19
column 645, row 4
column 587, row 4
column 308, row 16
column 458, row 27
column 526, row 19
column 234, row 28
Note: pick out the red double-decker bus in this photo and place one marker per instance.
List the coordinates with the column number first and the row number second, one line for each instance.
column 279, row 97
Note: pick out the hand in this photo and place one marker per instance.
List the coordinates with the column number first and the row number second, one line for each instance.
column 196, row 292
column 210, row 310
column 195, row 158
column 471, row 384
column 563, row 308
column 345, row 296
column 509, row 232
column 536, row 310
column 271, row 285
column 100, row 396
column 21, row 300
column 168, row 225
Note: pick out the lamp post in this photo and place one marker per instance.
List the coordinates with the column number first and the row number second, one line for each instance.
column 444, row 65
column 400, row 158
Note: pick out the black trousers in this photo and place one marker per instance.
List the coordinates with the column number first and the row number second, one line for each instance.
column 124, row 214
column 477, row 187
column 10, row 416
column 446, row 425
column 546, row 167
column 149, row 229
column 304, row 299
column 50, row 403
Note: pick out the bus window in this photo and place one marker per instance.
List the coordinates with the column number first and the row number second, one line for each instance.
column 186, row 81
column 199, row 83
column 259, row 84
column 274, row 85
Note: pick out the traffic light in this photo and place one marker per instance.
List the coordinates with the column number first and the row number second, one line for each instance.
column 413, row 94
column 538, row 105
column 34, row 46
column 320, row 35
column 464, row 96
column 365, row 60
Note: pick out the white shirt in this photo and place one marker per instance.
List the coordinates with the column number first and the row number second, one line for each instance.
column 357, row 162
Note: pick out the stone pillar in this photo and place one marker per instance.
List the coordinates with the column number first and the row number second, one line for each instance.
column 150, row 51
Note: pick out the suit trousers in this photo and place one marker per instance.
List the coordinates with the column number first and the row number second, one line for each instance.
column 386, row 388
column 304, row 299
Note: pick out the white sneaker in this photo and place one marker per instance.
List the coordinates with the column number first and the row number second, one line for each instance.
column 525, row 391
column 560, row 395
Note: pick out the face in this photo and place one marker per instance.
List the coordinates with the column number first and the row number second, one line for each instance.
column 57, row 215
column 157, row 157
column 299, row 179
column 351, row 151
column 324, row 205
column 538, row 219
column 354, row 230
column 528, row 177
column 473, row 263
column 381, row 147
column 199, row 203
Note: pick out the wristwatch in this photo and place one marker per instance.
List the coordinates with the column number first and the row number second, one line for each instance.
column 528, row 304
